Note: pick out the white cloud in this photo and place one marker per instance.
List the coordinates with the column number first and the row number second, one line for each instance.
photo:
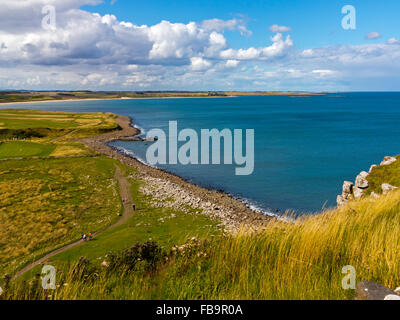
column 323, row 73
column 277, row 28
column 100, row 52
column 279, row 47
column 199, row 64
column 393, row 41
column 221, row 25
column 232, row 63
column 373, row 35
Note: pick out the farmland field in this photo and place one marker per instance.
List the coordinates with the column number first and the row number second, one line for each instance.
column 41, row 124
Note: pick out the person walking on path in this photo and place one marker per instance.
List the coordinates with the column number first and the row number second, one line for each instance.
column 134, row 207
column 84, row 237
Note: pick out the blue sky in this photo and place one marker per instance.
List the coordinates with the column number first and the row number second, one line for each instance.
column 270, row 45
column 314, row 23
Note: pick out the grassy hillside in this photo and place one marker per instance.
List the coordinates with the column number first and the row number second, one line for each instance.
column 16, row 149
column 46, row 203
column 297, row 260
column 48, row 198
column 26, row 124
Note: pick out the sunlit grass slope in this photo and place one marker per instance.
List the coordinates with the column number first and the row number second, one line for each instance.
column 19, row 149
column 46, row 203
column 40, row 124
column 296, row 260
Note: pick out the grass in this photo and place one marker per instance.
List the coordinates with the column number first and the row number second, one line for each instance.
column 298, row 260
column 384, row 174
column 23, row 124
column 167, row 226
column 20, row 149
column 44, row 204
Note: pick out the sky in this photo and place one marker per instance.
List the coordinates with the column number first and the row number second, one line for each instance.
column 270, row 45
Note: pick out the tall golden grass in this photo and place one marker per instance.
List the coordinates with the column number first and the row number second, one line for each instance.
column 301, row 259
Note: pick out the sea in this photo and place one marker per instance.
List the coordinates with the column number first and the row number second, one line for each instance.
column 305, row 146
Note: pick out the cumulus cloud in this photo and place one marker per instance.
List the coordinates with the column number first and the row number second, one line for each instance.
column 198, row 64
column 373, row 35
column 221, row 25
column 279, row 47
column 393, row 41
column 100, row 52
column 277, row 28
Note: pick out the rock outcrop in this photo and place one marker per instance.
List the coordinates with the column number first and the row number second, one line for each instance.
column 386, row 188
column 373, row 291
column 388, row 160
column 359, row 188
column 347, row 193
column 361, row 180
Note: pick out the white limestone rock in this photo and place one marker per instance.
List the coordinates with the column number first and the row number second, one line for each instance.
column 372, row 168
column 386, row 188
column 358, row 192
column 388, row 160
column 361, row 180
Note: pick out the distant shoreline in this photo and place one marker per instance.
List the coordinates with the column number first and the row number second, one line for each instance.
column 100, row 99
column 234, row 94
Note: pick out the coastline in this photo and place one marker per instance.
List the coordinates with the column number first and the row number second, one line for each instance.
column 234, row 94
column 162, row 185
column 101, row 99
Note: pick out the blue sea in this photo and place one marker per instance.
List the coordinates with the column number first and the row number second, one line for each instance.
column 305, row 146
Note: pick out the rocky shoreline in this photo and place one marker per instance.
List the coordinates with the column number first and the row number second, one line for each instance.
column 358, row 189
column 164, row 187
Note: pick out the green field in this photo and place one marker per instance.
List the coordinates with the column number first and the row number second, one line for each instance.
column 19, row 149
column 166, row 226
column 46, row 203
column 24, row 124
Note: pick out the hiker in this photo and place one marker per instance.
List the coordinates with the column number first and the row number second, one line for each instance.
column 133, row 207
column 84, row 237
column 90, row 236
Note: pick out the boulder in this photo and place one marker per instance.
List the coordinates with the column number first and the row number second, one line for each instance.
column 347, row 189
column 375, row 195
column 341, row 201
column 372, row 168
column 358, row 192
column 392, row 297
column 361, row 181
column 150, row 139
column 373, row 291
column 388, row 160
column 105, row 264
column 386, row 188
column 397, row 290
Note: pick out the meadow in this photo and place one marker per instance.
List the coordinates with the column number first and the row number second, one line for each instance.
column 47, row 203
column 35, row 124
column 163, row 253
column 299, row 260
column 296, row 259
column 52, row 190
